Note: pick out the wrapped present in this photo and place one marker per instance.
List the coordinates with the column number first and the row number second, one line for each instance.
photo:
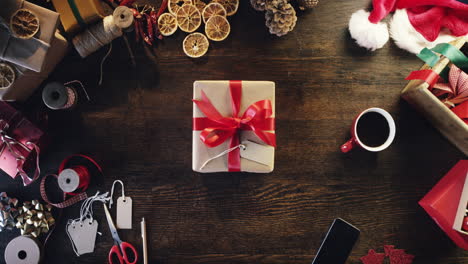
column 27, row 53
column 233, row 126
column 20, row 143
column 27, row 81
column 77, row 14
column 442, row 202
column 419, row 91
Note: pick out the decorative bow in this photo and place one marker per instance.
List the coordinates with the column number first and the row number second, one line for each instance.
column 15, row 148
column 456, row 90
column 216, row 128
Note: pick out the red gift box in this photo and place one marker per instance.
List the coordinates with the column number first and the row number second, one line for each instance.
column 441, row 203
column 20, row 142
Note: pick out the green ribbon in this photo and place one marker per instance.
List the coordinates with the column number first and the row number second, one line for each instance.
column 76, row 13
column 430, row 57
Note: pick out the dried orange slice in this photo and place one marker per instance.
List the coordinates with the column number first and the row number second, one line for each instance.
column 199, row 4
column 231, row 6
column 24, row 23
column 213, row 9
column 217, row 28
column 188, row 18
column 195, row 45
column 174, row 5
column 7, row 76
column 167, row 24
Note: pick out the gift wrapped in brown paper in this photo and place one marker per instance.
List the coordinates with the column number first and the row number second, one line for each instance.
column 28, row 53
column 27, row 81
column 77, row 14
column 233, row 126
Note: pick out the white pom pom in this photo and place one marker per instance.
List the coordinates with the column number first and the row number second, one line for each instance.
column 368, row 35
column 406, row 37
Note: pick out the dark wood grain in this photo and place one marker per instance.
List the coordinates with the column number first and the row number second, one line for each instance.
column 138, row 126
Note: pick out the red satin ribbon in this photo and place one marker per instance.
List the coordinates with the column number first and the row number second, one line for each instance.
column 429, row 76
column 216, row 128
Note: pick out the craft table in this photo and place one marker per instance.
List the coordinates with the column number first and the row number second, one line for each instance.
column 138, row 126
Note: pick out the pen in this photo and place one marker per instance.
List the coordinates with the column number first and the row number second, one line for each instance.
column 145, row 245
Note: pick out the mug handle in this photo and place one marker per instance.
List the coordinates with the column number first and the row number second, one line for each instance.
column 348, row 146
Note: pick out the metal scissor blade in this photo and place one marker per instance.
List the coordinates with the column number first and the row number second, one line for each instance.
column 112, row 227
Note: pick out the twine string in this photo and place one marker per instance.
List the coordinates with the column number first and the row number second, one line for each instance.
column 241, row 146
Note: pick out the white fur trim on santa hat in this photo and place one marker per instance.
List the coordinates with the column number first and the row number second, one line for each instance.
column 368, row 35
column 407, row 38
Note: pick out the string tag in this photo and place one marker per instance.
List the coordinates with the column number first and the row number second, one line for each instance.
column 124, row 208
column 83, row 235
column 263, row 154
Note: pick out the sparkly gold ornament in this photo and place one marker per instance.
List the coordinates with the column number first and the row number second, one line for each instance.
column 34, row 218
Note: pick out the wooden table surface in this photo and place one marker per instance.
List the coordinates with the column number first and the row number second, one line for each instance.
column 138, row 126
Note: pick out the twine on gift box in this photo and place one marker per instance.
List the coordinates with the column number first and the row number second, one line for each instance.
column 241, row 146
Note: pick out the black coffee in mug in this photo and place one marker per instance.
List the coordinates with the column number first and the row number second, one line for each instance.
column 373, row 129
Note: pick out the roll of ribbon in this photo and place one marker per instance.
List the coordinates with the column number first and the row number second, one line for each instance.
column 57, row 96
column 23, row 250
column 74, row 179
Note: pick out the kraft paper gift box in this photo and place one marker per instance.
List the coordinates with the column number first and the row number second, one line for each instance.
column 27, row 81
column 20, row 137
column 442, row 202
column 27, row 53
column 77, row 14
column 252, row 93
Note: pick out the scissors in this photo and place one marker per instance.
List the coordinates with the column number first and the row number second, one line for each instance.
column 119, row 248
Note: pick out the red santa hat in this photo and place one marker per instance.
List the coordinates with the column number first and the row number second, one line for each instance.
column 416, row 23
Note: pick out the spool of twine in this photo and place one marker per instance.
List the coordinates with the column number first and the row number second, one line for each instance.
column 97, row 36
column 123, row 18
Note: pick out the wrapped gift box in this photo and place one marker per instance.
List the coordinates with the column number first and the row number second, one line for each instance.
column 442, row 202
column 219, row 93
column 417, row 93
column 27, row 81
column 27, row 53
column 18, row 134
column 77, row 14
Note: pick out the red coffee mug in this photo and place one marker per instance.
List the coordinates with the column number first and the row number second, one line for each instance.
column 356, row 142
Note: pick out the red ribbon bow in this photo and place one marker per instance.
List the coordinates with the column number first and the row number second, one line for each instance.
column 216, row 128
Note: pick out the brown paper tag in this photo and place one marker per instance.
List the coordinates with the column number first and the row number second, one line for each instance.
column 263, row 154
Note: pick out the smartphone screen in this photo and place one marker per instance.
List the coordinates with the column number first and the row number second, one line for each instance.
column 337, row 244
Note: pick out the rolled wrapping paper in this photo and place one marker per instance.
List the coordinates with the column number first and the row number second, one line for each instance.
column 97, row 36
column 23, row 250
column 57, row 96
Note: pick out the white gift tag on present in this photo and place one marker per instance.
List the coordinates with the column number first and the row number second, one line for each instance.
column 83, row 235
column 263, row 154
column 124, row 212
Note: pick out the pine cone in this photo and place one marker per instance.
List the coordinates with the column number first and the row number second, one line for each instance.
column 307, row 4
column 280, row 17
column 258, row 5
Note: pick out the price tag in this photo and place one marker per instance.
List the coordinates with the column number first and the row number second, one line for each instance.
column 83, row 235
column 124, row 212
column 263, row 154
